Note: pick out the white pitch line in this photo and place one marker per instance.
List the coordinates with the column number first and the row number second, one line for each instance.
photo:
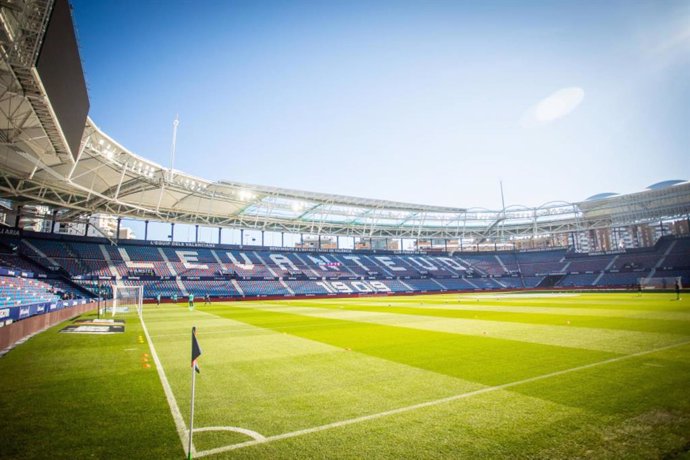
column 172, row 402
column 235, row 429
column 435, row 402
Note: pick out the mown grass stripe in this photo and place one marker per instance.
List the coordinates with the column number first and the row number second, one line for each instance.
column 554, row 319
column 512, row 306
column 629, row 302
column 609, row 340
column 180, row 425
column 96, row 396
column 84, row 396
column 366, row 418
column 455, row 355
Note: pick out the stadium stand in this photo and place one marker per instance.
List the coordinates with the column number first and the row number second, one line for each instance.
column 483, row 264
column 578, row 280
column 426, row 285
column 80, row 267
column 16, row 291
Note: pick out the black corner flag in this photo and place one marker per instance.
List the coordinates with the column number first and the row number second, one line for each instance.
column 196, row 350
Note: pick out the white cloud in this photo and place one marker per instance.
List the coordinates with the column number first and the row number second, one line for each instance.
column 554, row 106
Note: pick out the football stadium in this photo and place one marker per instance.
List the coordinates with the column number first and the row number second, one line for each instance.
column 147, row 312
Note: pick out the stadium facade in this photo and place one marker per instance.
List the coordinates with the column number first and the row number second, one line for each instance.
column 59, row 170
column 43, row 166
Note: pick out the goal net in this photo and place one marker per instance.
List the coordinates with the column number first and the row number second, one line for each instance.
column 127, row 298
column 660, row 282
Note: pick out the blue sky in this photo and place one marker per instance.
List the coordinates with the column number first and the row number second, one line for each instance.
column 430, row 102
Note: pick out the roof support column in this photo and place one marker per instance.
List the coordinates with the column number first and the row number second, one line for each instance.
column 117, row 232
column 172, row 232
column 262, row 237
column 19, row 216
column 146, row 230
column 241, row 237
column 282, row 239
column 196, row 233
column 220, row 230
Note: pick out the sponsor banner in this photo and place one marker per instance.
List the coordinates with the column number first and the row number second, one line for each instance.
column 181, row 244
column 321, row 263
column 93, row 329
column 100, row 322
column 7, row 272
column 25, row 311
column 603, row 253
column 10, row 231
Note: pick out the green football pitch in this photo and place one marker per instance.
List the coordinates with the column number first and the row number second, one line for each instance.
column 440, row 376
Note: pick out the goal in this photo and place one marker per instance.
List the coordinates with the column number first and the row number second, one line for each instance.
column 127, row 298
column 659, row 282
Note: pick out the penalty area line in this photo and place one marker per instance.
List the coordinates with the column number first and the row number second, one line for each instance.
column 435, row 402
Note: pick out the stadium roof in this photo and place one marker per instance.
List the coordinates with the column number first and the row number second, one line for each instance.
column 105, row 177
column 601, row 196
column 665, row 184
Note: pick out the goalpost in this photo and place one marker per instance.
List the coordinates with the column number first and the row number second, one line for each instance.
column 660, row 282
column 127, row 298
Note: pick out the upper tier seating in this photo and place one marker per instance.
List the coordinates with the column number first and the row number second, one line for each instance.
column 581, row 280
column 588, row 264
column 426, row 285
column 227, row 272
column 483, row 264
column 18, row 263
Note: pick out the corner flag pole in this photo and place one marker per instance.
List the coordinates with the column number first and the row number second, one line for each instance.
column 191, row 418
column 196, row 352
